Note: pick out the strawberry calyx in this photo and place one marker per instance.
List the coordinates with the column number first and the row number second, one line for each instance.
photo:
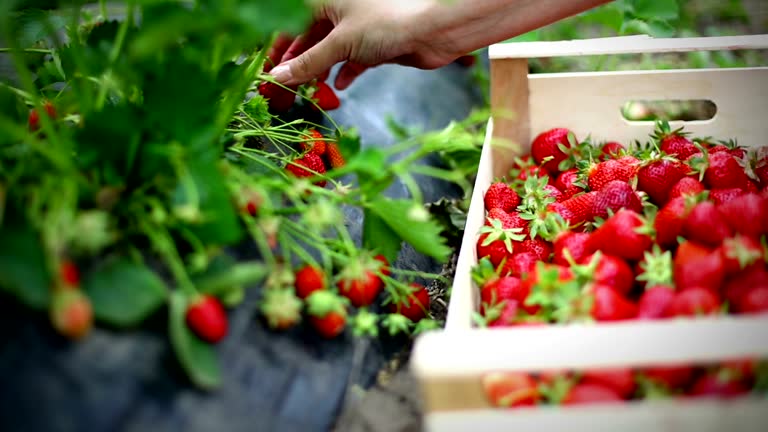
column 281, row 308
column 321, row 303
column 365, row 323
column 650, row 389
column 396, row 323
column 555, row 390
column 496, row 232
column 484, row 272
column 735, row 249
column 425, row 325
column 663, row 130
column 657, row 268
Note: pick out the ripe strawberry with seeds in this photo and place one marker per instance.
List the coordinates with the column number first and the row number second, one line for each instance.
column 737, row 285
column 620, row 380
column 501, row 289
column 538, row 247
column 359, row 282
column 657, row 176
column 567, row 183
column 309, row 279
column 670, row 220
column 206, row 317
column 574, row 243
column 600, row 174
column 519, row 264
column 694, row 301
column 720, row 196
column 501, row 195
column 503, row 315
column 613, row 196
column 325, row 97
column 280, row 99
column 674, row 142
column 510, row 389
column 333, row 155
column 314, row 143
column 754, row 300
column 307, row 166
column 724, row 171
column 415, row 306
column 611, row 150
column 686, row 186
column 741, row 252
column 554, row 193
column 496, row 243
column 612, row 271
column 609, row 305
column 578, row 209
column 281, row 308
column 696, row 265
column 623, row 235
column 549, row 148
column 655, row 301
column 746, row 214
column 327, row 313
column 706, row 225
column 508, row 220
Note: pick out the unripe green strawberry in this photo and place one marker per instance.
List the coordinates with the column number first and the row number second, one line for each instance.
column 71, row 313
column 281, row 308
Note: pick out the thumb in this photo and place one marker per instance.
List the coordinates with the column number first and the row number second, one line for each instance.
column 312, row 63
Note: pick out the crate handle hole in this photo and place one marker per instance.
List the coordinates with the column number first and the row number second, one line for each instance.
column 648, row 111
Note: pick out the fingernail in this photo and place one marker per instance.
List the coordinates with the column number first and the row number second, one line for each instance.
column 282, row 73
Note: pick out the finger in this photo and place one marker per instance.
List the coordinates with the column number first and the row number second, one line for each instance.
column 277, row 50
column 348, row 73
column 315, row 34
column 313, row 62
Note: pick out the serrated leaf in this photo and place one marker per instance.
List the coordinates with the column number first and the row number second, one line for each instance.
column 656, row 9
column 196, row 357
column 23, row 270
column 422, row 234
column 380, row 237
column 124, row 293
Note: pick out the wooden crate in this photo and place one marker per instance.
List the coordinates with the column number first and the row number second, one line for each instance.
column 449, row 363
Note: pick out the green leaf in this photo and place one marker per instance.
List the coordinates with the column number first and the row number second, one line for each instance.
column 227, row 275
column 419, row 230
column 196, row 357
column 609, row 15
column 290, row 16
column 34, row 25
column 23, row 270
column 657, row 9
column 124, row 293
column 378, row 236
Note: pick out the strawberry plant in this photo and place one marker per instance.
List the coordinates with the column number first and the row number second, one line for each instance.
column 137, row 153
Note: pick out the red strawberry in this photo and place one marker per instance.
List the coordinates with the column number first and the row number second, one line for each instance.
column 333, row 155
column 415, row 306
column 34, row 115
column 501, row 195
column 307, row 166
column 614, row 196
column 669, row 222
column 540, row 248
column 280, row 99
column 384, row 267
column 741, row 252
column 622, row 381
column 724, row 171
column 71, row 313
column 746, row 214
column 546, row 280
column 602, row 173
column 325, row 97
column 510, row 389
column 519, row 264
column 359, row 282
column 281, row 308
column 686, row 186
column 613, row 272
column 577, row 209
column 754, row 300
column 506, row 317
column 205, row 316
column 574, row 243
column 694, row 301
column 315, row 142
column 533, row 171
column 621, row 236
column 698, row 266
column 554, row 193
column 69, row 274
column 496, row 243
column 657, row 177
column 674, row 142
column 655, row 301
column 508, row 220
column 546, row 148
column 721, row 196
column 609, row 305
column 500, row 289
column 706, row 225
column 327, row 313
column 589, row 393
column 611, row 149
column 671, row 377
column 565, row 183
column 719, row 385
column 738, row 284
column 308, row 280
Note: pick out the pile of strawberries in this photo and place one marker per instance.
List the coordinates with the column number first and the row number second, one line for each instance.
column 319, row 155
column 584, row 231
column 724, row 380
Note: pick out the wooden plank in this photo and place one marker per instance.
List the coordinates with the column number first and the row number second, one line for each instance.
column 750, row 415
column 464, row 298
column 590, row 103
column 639, row 44
column 509, row 105
column 632, row 343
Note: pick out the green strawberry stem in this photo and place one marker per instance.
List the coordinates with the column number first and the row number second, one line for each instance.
column 163, row 244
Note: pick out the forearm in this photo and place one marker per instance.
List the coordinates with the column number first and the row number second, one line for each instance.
column 467, row 25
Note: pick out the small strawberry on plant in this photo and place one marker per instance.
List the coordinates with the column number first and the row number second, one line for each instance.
column 314, row 143
column 281, row 308
column 69, row 274
column 71, row 313
column 327, row 313
column 333, row 155
column 396, row 323
column 34, row 115
column 325, row 98
column 415, row 306
column 365, row 323
column 206, row 317
column 309, row 278
column 307, row 166
column 358, row 280
column 280, row 99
